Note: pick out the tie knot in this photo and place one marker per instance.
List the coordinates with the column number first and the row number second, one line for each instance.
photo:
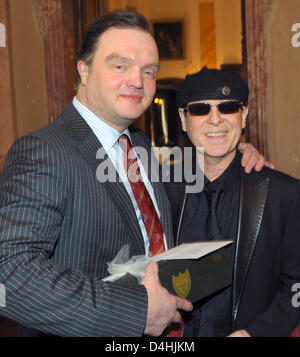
column 125, row 143
column 212, row 193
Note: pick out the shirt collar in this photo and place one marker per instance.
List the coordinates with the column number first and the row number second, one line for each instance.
column 229, row 180
column 107, row 135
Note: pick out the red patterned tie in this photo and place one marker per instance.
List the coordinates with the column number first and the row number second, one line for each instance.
column 152, row 223
column 151, row 220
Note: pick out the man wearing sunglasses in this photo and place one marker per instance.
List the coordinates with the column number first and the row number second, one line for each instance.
column 259, row 212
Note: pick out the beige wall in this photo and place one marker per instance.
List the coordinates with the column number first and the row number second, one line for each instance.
column 284, row 77
column 7, row 118
column 283, row 61
column 28, row 75
column 28, row 57
column 228, row 30
column 28, row 67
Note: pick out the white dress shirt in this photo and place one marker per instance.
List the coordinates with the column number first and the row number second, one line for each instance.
column 109, row 139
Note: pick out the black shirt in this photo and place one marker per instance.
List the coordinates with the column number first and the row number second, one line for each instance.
column 212, row 316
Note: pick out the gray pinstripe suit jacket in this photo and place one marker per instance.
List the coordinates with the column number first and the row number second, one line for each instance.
column 59, row 227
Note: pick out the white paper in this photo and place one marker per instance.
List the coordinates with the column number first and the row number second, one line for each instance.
column 136, row 266
column 191, row 250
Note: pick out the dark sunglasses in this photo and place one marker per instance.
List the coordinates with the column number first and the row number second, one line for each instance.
column 230, row 107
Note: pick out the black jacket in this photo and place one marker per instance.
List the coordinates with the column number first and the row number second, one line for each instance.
column 267, row 257
column 59, row 226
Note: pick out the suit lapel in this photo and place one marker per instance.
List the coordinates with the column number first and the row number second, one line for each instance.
column 90, row 148
column 251, row 208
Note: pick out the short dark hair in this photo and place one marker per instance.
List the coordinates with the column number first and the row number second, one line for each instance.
column 120, row 19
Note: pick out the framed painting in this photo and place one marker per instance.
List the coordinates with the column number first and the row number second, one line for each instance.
column 169, row 36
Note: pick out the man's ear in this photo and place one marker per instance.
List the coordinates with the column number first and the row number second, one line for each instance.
column 83, row 71
column 182, row 115
column 244, row 116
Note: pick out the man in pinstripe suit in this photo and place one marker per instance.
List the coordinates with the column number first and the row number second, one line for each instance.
column 60, row 226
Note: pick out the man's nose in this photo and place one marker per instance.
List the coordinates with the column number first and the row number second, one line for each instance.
column 214, row 116
column 135, row 78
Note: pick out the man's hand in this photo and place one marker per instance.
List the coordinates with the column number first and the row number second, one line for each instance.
column 162, row 306
column 240, row 333
column 252, row 158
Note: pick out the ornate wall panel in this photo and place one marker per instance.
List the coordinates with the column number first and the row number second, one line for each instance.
column 257, row 74
column 7, row 115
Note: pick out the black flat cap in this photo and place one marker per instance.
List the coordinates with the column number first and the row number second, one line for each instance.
column 212, row 84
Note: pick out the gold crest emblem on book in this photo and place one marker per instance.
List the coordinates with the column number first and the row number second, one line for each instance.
column 182, row 283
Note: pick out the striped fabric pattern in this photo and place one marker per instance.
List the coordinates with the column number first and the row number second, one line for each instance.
column 109, row 137
column 151, row 220
column 59, row 227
